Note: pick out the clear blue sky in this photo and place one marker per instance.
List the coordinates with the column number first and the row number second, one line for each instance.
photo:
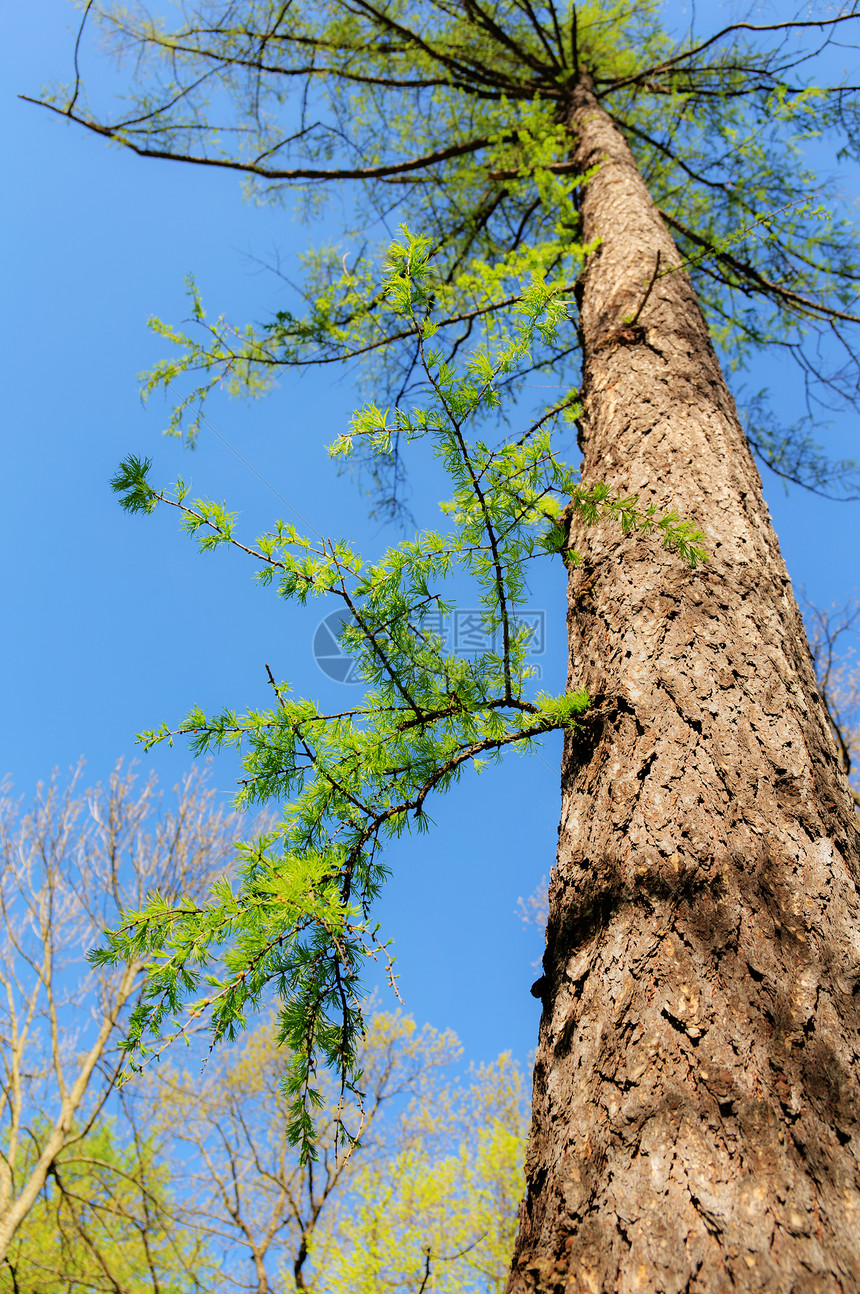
column 112, row 623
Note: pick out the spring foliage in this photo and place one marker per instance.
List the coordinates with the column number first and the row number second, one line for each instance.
column 455, row 119
column 299, row 917
column 191, row 1186
column 104, row 1221
column 427, row 1198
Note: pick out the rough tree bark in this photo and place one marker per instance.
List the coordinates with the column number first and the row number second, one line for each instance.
column 696, row 1085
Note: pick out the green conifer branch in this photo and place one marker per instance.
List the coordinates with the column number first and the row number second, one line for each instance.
column 297, row 920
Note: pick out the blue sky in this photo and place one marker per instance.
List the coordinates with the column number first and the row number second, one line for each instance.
column 112, row 623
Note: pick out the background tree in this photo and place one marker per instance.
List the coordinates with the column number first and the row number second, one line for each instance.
column 71, row 865
column 708, row 850
column 838, row 680
column 106, row 1221
column 193, row 1186
column 426, row 1200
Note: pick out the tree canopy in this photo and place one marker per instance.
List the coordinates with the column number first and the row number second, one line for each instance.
column 454, row 119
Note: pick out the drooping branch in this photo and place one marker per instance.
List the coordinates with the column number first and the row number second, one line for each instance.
column 688, row 55
column 115, row 133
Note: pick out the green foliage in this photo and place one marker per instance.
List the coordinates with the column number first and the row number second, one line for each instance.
column 456, row 119
column 240, row 361
column 194, row 1183
column 299, row 918
column 442, row 1216
column 105, row 1222
column 434, row 1179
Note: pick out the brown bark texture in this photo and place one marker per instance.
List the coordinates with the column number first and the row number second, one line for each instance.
column 696, row 1122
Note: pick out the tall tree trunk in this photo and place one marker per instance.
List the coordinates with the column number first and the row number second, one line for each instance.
column 697, row 1110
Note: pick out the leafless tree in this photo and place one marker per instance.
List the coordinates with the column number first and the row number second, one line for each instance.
column 72, row 863
column 838, row 679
